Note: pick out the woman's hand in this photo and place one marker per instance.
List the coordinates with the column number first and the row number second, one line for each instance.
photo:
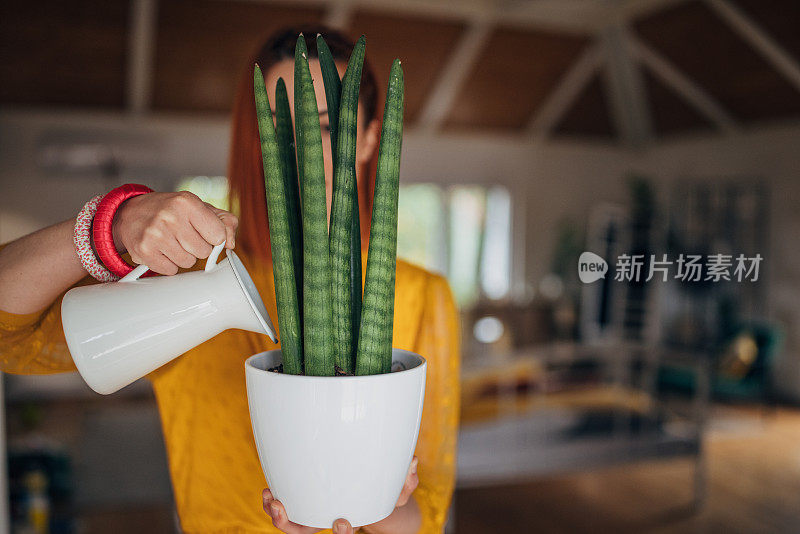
column 275, row 510
column 167, row 231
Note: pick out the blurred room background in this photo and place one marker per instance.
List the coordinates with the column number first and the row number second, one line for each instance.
column 535, row 130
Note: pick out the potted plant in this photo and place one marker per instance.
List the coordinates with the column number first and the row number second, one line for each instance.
column 336, row 410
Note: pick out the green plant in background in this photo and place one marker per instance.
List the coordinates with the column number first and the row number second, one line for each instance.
column 567, row 249
column 643, row 198
column 323, row 323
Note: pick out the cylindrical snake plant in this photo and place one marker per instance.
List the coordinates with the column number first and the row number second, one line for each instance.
column 326, row 327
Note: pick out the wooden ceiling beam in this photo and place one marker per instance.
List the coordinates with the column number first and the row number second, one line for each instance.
column 339, row 15
column 566, row 16
column 684, row 86
column 141, row 47
column 628, row 105
column 565, row 93
column 759, row 39
column 633, row 9
column 453, row 76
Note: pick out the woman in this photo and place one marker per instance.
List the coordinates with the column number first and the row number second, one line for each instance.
column 216, row 476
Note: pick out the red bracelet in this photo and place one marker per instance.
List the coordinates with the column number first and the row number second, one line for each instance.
column 102, row 233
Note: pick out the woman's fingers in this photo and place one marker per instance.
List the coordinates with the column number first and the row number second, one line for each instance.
column 231, row 223
column 275, row 510
column 412, row 481
column 157, row 263
column 408, row 489
column 267, row 498
column 342, row 526
column 206, row 221
column 193, row 243
column 178, row 255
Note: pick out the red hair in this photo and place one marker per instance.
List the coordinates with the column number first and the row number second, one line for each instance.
column 245, row 171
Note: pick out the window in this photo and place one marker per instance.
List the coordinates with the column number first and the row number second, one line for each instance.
column 211, row 189
column 463, row 232
column 421, row 230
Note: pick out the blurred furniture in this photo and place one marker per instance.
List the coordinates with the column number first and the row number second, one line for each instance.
column 103, row 457
column 521, row 324
column 742, row 369
column 40, row 488
column 723, row 216
column 565, row 406
column 603, row 303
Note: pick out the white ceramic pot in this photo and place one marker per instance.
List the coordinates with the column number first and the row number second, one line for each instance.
column 336, row 447
column 120, row 331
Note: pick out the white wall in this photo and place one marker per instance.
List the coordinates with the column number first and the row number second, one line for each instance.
column 32, row 197
column 548, row 182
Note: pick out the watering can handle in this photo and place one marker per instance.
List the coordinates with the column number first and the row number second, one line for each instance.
column 211, row 262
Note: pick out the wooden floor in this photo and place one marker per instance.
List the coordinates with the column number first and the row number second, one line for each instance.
column 753, row 487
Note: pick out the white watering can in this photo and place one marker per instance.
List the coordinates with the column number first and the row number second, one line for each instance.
column 120, row 331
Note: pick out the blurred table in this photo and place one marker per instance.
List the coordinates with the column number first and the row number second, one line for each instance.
column 566, row 406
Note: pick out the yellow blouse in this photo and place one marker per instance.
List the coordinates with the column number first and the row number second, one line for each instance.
column 216, row 476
